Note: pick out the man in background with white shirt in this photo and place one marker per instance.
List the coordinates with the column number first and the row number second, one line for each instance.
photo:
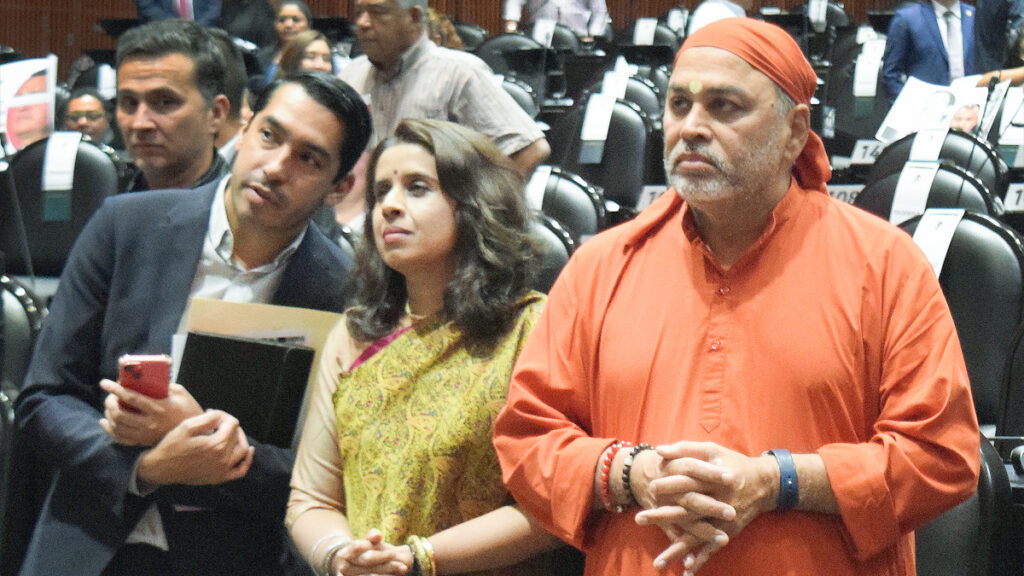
column 586, row 18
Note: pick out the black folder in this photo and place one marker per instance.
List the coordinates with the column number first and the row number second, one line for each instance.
column 260, row 382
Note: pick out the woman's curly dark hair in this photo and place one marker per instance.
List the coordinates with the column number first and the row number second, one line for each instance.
column 493, row 242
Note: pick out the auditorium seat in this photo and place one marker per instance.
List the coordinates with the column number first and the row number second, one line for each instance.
column 622, row 166
column 641, row 91
column 978, row 536
column 564, row 39
column 472, row 35
column 50, row 221
column 23, row 319
column 951, row 188
column 523, row 94
column 556, row 246
column 982, row 278
column 575, row 203
column 517, row 55
column 965, row 150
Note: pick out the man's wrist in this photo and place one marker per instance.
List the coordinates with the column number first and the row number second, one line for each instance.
column 146, row 474
column 786, row 487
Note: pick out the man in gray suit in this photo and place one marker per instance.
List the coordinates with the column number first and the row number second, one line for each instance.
column 176, row 490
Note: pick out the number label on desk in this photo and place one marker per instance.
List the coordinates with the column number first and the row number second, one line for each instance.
column 866, row 151
column 845, row 192
column 1015, row 197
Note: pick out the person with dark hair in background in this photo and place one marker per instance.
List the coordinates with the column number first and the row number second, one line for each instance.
column 291, row 17
column 402, row 74
column 162, row 487
column 86, row 112
column 396, row 447
column 309, row 50
column 171, row 103
column 235, row 80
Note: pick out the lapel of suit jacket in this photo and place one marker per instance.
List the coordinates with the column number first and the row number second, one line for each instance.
column 967, row 36
column 297, row 287
column 185, row 226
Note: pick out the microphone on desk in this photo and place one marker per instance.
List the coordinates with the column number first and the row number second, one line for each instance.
column 984, row 110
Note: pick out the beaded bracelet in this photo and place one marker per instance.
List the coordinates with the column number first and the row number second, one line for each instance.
column 627, row 466
column 607, row 457
column 423, row 554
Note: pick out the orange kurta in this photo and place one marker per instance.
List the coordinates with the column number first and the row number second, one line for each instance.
column 830, row 335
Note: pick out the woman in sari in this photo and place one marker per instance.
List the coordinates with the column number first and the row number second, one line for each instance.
column 395, row 470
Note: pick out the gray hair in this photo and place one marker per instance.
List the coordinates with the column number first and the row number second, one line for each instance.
column 786, row 103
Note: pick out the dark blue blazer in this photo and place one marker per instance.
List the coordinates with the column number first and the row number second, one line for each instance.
column 124, row 289
column 205, row 12
column 914, row 47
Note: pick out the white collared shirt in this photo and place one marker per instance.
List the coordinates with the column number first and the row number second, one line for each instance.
column 220, row 276
column 940, row 17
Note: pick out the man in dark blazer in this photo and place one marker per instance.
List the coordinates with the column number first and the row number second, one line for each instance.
column 218, row 497
column 915, row 45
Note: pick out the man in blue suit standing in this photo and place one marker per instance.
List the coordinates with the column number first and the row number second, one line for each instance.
column 932, row 41
column 176, row 490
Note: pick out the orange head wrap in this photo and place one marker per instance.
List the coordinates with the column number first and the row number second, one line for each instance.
column 773, row 52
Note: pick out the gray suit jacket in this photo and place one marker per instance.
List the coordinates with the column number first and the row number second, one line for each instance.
column 124, row 290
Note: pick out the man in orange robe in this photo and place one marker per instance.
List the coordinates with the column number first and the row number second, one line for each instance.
column 744, row 311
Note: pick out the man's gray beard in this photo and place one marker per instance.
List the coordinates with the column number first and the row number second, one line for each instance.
column 744, row 176
column 710, row 187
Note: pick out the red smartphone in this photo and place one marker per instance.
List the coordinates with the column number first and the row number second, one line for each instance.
column 149, row 374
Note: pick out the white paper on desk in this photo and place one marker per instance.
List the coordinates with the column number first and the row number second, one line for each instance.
column 59, row 160
column 544, row 31
column 865, row 72
column 624, row 67
column 927, row 144
column 106, row 81
column 537, row 186
column 1011, row 128
column 597, row 118
column 643, row 31
column 934, row 233
column 676, row 20
column 921, row 105
column 614, row 84
column 865, row 32
column 817, row 14
column 911, row 195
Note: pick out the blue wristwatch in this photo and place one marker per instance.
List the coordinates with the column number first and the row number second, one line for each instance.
column 789, row 487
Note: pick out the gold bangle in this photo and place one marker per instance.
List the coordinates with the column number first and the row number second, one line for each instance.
column 332, row 551
column 423, row 551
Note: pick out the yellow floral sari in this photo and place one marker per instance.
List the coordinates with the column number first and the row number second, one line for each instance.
column 414, row 426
